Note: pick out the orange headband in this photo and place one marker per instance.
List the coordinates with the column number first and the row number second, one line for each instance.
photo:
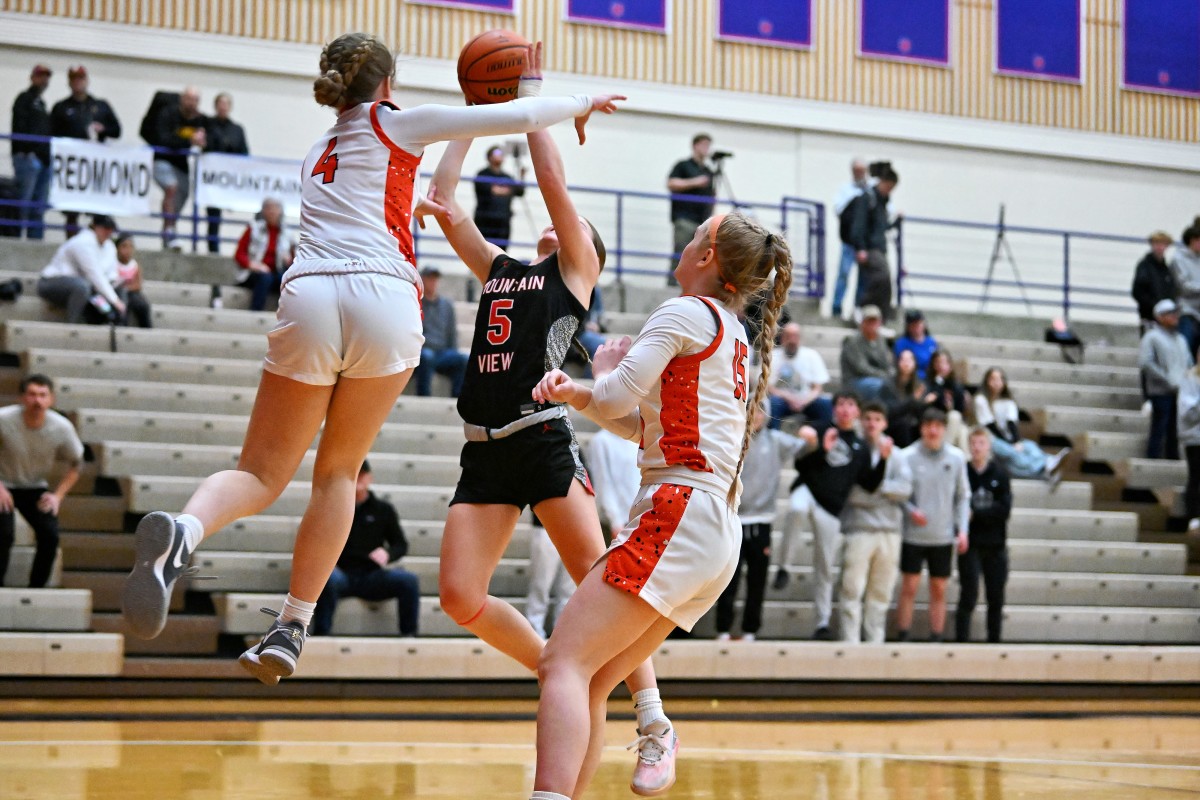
column 713, row 225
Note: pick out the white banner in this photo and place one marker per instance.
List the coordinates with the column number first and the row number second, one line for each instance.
column 101, row 178
column 241, row 183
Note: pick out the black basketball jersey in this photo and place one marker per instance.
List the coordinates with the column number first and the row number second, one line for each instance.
column 526, row 321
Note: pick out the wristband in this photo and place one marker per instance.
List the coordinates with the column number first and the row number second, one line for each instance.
column 529, row 87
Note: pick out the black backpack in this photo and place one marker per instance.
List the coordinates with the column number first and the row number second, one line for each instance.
column 149, row 127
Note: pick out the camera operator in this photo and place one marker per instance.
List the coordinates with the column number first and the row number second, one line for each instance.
column 494, row 193
column 692, row 176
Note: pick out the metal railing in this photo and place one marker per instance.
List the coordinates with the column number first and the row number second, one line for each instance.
column 1015, row 267
column 628, row 220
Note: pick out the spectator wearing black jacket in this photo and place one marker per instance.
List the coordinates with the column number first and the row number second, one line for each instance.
column 869, row 224
column 31, row 159
column 81, row 116
column 179, row 128
column 836, row 459
column 223, row 136
column 494, row 193
column 1153, row 280
column 987, row 539
column 376, row 539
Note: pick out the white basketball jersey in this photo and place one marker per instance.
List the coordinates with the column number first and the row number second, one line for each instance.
column 357, row 193
column 694, row 419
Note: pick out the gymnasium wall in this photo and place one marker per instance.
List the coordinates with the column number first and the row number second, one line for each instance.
column 958, row 167
column 689, row 56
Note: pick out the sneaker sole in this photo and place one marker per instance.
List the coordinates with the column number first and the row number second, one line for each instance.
column 145, row 600
column 263, row 672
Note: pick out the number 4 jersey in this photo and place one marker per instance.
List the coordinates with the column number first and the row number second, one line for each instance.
column 525, row 324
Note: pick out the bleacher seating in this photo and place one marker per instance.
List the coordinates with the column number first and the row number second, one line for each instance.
column 170, row 406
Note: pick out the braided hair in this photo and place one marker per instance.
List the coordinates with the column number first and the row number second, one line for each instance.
column 352, row 67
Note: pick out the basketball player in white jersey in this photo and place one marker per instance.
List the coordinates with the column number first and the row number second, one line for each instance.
column 682, row 391
column 347, row 337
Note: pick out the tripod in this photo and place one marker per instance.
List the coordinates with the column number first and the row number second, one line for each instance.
column 1002, row 244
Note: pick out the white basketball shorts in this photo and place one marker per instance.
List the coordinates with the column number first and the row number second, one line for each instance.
column 678, row 552
column 357, row 325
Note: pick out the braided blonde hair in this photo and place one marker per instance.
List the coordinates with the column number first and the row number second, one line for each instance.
column 748, row 254
column 352, row 67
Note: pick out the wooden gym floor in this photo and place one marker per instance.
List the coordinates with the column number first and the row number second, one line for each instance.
column 482, row 750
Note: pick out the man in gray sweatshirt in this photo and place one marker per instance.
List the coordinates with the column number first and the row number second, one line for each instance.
column 1164, row 360
column 936, row 522
column 871, row 523
column 1185, row 267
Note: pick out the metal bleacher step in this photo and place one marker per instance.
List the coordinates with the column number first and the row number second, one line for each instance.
column 1073, row 420
column 972, row 368
column 61, row 654
column 45, row 609
column 20, row 561
column 125, row 367
column 17, row 336
column 1151, row 473
column 83, row 513
column 1109, row 446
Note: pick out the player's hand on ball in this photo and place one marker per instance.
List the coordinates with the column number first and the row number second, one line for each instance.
column 555, row 387
column 533, row 63
column 604, row 103
column 608, row 355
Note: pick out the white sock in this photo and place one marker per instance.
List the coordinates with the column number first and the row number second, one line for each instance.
column 193, row 531
column 296, row 611
column 548, row 796
column 648, row 705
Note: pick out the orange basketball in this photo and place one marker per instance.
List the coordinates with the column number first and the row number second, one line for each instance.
column 490, row 66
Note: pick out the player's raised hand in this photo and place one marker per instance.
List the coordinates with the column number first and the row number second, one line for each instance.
column 533, row 63
column 604, row 103
column 608, row 355
column 431, row 204
column 555, row 386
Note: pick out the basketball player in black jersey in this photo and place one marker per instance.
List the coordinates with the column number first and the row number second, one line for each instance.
column 520, row 453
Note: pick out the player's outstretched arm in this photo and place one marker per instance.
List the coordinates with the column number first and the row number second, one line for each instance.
column 457, row 225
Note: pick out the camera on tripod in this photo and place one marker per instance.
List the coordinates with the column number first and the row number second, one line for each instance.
column 515, row 148
column 876, row 169
column 721, row 155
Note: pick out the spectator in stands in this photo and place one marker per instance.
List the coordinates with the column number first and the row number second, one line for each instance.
column 1185, row 266
column 996, row 410
column 945, row 392
column 76, row 275
column 180, row 129
column 798, row 381
column 81, row 116
column 376, row 541
column 612, row 465
column 836, row 458
column 32, row 167
column 692, row 177
column 987, row 550
column 752, row 314
column 1152, row 280
column 129, row 284
column 494, row 193
column 34, row 440
column 222, row 135
column 264, row 253
column 866, row 361
column 550, row 585
column 868, row 236
column 769, row 450
column 440, row 352
column 906, row 400
column 871, row 523
column 936, row 522
column 1164, row 360
column 917, row 339
column 1189, row 439
column 859, row 183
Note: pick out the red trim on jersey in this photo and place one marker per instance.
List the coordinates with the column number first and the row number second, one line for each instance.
column 680, row 395
column 398, row 190
column 630, row 564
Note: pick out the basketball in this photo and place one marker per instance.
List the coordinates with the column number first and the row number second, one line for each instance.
column 490, row 66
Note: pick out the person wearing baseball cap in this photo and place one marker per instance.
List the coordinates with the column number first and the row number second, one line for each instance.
column 1153, row 280
column 1164, row 359
column 81, row 116
column 76, row 276
column 31, row 159
column 440, row 351
column 866, row 361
